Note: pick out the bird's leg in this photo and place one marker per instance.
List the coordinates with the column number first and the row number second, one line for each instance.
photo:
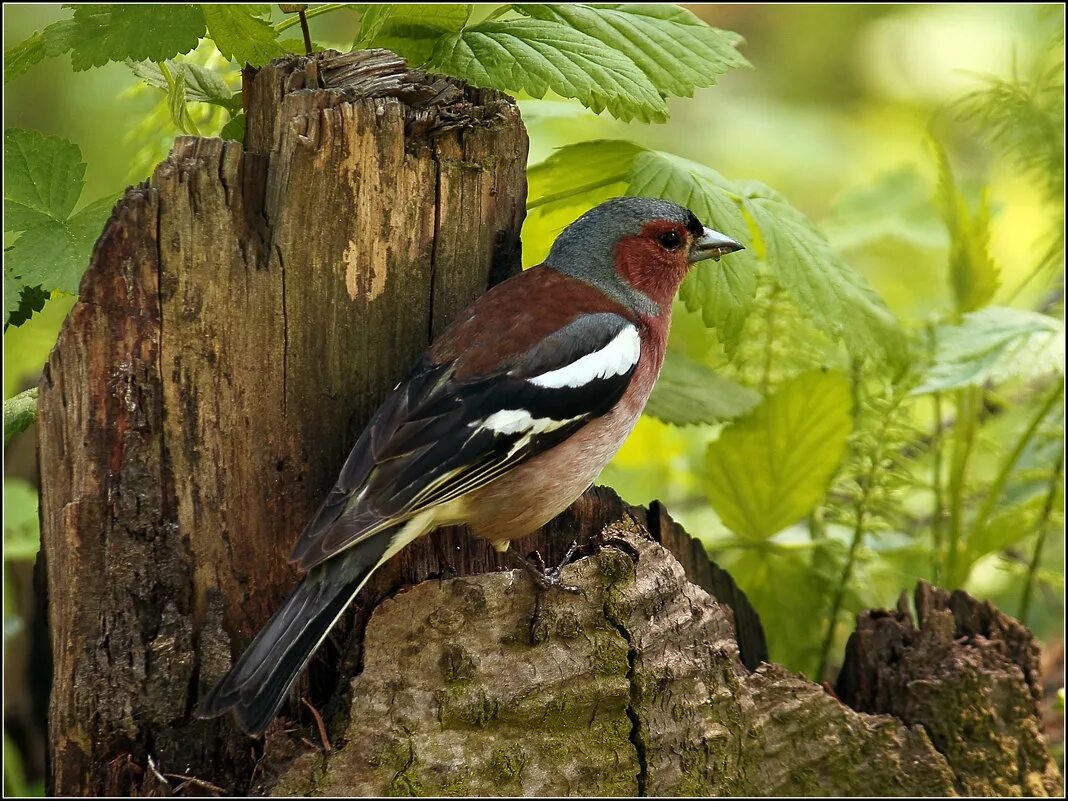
column 544, row 580
column 547, row 578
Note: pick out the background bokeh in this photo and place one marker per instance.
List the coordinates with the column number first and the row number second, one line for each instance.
column 840, row 102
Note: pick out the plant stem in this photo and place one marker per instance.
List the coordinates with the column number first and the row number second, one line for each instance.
column 839, row 592
column 939, row 520
column 286, row 24
column 868, row 483
column 938, row 523
column 19, row 413
column 1002, row 478
column 303, row 15
column 968, row 401
column 1040, row 543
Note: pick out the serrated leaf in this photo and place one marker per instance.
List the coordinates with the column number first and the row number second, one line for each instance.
column 689, row 392
column 372, row 18
column 201, row 84
column 676, row 50
column 538, row 56
column 995, row 344
column 234, row 128
column 824, row 288
column 43, row 177
column 770, row 468
column 21, row 302
column 724, row 291
column 567, row 185
column 118, row 32
column 55, row 254
column 55, row 40
column 240, row 35
column 973, row 274
column 574, row 170
column 412, row 31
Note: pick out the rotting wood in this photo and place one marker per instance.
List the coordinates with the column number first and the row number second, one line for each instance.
column 243, row 314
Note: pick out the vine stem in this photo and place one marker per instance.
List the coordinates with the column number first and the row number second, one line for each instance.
column 938, row 523
column 969, row 399
column 1040, row 543
column 939, row 520
column 1002, row 478
column 861, row 508
column 286, row 24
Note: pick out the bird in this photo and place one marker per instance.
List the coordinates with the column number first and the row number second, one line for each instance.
column 503, row 422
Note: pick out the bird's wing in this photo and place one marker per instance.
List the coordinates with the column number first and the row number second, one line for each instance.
column 439, row 436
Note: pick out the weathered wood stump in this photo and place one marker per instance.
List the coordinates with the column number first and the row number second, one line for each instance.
column 243, row 315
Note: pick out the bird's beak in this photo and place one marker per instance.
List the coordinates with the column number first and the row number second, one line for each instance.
column 711, row 245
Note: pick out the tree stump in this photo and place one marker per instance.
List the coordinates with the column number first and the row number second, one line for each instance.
column 243, row 315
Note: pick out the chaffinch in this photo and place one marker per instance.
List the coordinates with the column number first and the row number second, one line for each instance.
column 504, row 421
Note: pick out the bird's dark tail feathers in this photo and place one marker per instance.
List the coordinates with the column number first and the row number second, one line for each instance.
column 256, row 686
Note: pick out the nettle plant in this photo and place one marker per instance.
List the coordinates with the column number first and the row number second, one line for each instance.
column 851, row 451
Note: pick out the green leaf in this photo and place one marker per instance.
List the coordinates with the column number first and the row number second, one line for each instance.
column 42, row 183
column 412, row 31
column 202, row 85
column 676, row 50
column 576, row 170
column 19, row 413
column 55, row 40
column 770, row 468
column 825, row 289
column 974, row 276
column 118, row 32
column 789, row 587
column 689, row 392
column 22, row 536
column 42, row 178
column 995, row 344
column 21, row 302
column 240, row 35
column 372, row 18
column 235, row 128
column 538, row 56
column 724, row 291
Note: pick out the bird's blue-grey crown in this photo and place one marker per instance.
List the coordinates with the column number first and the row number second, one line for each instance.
column 586, row 248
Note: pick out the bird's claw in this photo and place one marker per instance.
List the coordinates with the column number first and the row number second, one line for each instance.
column 545, row 579
column 548, row 578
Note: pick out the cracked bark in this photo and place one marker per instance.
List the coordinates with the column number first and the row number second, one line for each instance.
column 243, row 314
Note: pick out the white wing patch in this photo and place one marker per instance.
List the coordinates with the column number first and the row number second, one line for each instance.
column 615, row 358
column 513, row 421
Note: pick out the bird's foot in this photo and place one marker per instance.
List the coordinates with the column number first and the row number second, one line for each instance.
column 544, row 579
column 547, row 578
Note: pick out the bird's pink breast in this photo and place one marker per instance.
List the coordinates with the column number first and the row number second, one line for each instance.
column 532, row 494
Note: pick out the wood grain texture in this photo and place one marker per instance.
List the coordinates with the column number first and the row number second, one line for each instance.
column 243, row 315
column 634, row 688
column 965, row 672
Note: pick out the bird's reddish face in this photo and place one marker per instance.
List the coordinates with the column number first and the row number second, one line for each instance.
column 656, row 260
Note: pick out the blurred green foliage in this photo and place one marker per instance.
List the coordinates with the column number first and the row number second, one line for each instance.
column 870, row 394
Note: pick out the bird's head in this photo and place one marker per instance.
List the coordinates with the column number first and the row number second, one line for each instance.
column 637, row 250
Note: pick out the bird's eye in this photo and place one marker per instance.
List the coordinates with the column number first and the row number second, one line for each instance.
column 670, row 240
